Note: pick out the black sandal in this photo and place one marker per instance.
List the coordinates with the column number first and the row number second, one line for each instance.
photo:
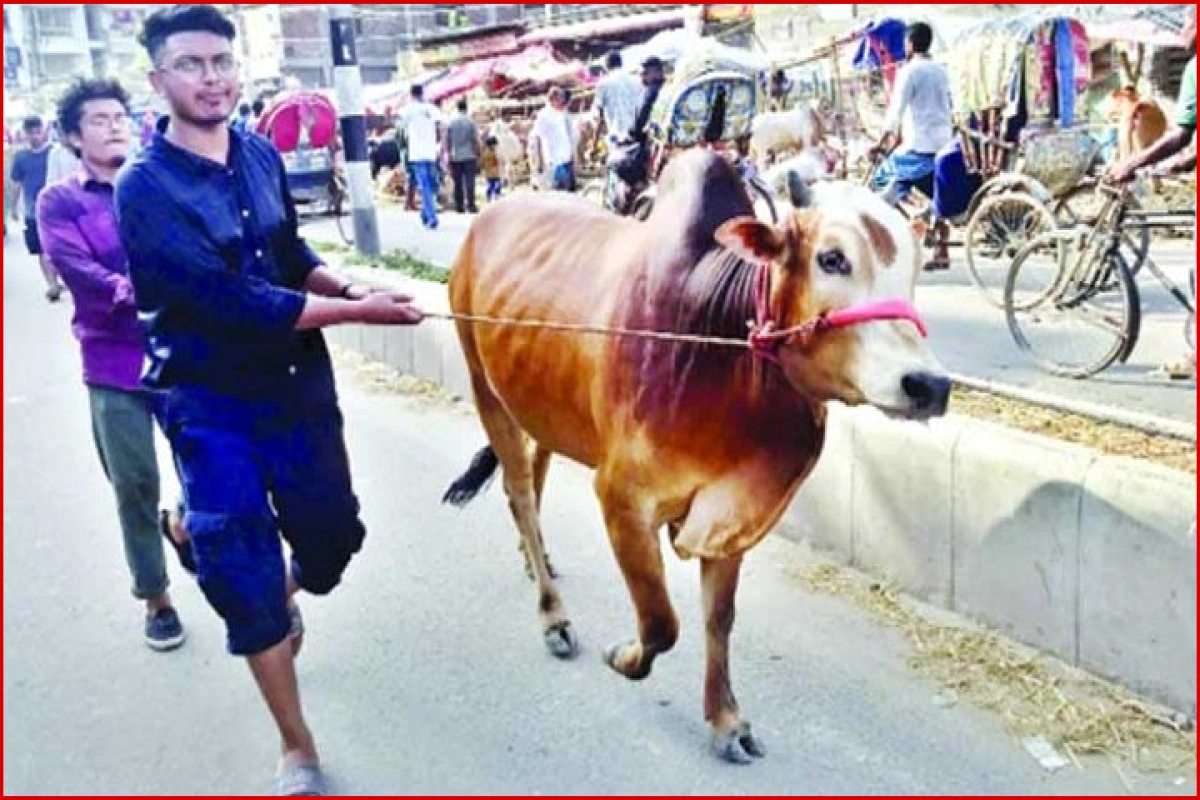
column 186, row 558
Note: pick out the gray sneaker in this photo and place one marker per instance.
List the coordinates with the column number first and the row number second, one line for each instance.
column 164, row 631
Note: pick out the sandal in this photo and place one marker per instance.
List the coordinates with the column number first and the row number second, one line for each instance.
column 1182, row 370
column 302, row 781
column 186, row 558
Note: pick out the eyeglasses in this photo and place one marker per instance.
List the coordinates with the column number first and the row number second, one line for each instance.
column 194, row 67
column 106, row 122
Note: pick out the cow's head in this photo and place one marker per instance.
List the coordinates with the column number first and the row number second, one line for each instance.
column 843, row 247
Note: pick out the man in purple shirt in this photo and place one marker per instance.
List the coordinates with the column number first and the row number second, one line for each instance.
column 78, row 230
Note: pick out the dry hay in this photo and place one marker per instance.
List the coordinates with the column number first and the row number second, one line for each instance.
column 1108, row 438
column 1033, row 695
column 378, row 378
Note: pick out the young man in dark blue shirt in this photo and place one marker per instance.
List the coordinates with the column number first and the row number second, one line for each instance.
column 233, row 302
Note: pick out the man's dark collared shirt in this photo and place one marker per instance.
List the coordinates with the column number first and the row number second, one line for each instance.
column 218, row 270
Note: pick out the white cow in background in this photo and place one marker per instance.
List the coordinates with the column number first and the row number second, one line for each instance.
column 781, row 133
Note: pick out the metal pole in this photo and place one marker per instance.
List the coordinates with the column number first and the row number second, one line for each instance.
column 352, row 110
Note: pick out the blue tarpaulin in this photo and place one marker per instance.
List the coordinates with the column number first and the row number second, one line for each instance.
column 882, row 44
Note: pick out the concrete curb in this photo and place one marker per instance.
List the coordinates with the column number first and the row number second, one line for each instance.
column 1146, row 423
column 1090, row 558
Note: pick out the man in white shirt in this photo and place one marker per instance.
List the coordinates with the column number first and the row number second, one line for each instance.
column 618, row 100
column 922, row 108
column 556, row 141
column 422, row 124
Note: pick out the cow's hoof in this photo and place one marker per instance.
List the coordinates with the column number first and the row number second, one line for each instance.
column 740, row 746
column 561, row 641
column 621, row 660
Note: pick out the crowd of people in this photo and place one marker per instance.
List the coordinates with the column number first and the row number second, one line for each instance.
column 430, row 146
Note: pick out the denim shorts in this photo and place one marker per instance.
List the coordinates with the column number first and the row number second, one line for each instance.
column 250, row 472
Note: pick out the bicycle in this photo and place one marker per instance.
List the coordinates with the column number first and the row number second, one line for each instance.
column 1068, row 284
column 339, row 201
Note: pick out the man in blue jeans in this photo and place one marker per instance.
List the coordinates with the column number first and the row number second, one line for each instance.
column 422, row 123
column 232, row 301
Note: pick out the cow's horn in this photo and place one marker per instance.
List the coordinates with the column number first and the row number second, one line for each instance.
column 799, row 191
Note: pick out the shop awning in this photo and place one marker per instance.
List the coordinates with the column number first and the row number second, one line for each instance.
column 603, row 28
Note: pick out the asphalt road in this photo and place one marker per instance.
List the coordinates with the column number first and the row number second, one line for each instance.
column 426, row 673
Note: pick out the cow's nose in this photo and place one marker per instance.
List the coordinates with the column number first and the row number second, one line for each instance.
column 930, row 393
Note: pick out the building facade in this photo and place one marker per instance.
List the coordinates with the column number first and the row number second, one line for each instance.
column 48, row 46
column 292, row 41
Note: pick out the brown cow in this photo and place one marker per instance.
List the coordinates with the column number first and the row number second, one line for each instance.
column 710, row 442
column 1140, row 123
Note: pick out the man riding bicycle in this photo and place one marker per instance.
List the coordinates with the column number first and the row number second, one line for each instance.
column 629, row 159
column 1172, row 155
column 922, row 104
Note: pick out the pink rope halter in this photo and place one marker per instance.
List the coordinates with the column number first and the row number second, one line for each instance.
column 766, row 339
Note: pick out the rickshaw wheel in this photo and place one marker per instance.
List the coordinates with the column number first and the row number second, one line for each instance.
column 1000, row 228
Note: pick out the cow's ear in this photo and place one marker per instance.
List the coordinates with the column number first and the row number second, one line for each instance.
column 751, row 240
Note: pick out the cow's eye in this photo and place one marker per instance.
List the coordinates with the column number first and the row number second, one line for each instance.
column 834, row 262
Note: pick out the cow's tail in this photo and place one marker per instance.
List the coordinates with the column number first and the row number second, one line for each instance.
column 475, row 480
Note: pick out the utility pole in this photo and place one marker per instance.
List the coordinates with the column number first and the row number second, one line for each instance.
column 352, row 110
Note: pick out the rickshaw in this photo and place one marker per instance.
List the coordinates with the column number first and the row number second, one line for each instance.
column 710, row 101
column 303, row 127
column 1019, row 158
column 1021, row 155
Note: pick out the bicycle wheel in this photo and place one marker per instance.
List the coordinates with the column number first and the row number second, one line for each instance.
column 345, row 227
column 1074, row 316
column 1081, row 207
column 764, row 202
column 339, row 211
column 595, row 191
column 996, row 232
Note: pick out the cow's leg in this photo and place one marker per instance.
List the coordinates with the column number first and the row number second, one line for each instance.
column 636, row 546
column 541, row 467
column 731, row 735
column 512, row 449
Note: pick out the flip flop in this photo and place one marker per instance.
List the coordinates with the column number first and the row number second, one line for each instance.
column 302, row 781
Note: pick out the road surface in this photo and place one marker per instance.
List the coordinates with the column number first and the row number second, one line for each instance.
column 426, row 674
